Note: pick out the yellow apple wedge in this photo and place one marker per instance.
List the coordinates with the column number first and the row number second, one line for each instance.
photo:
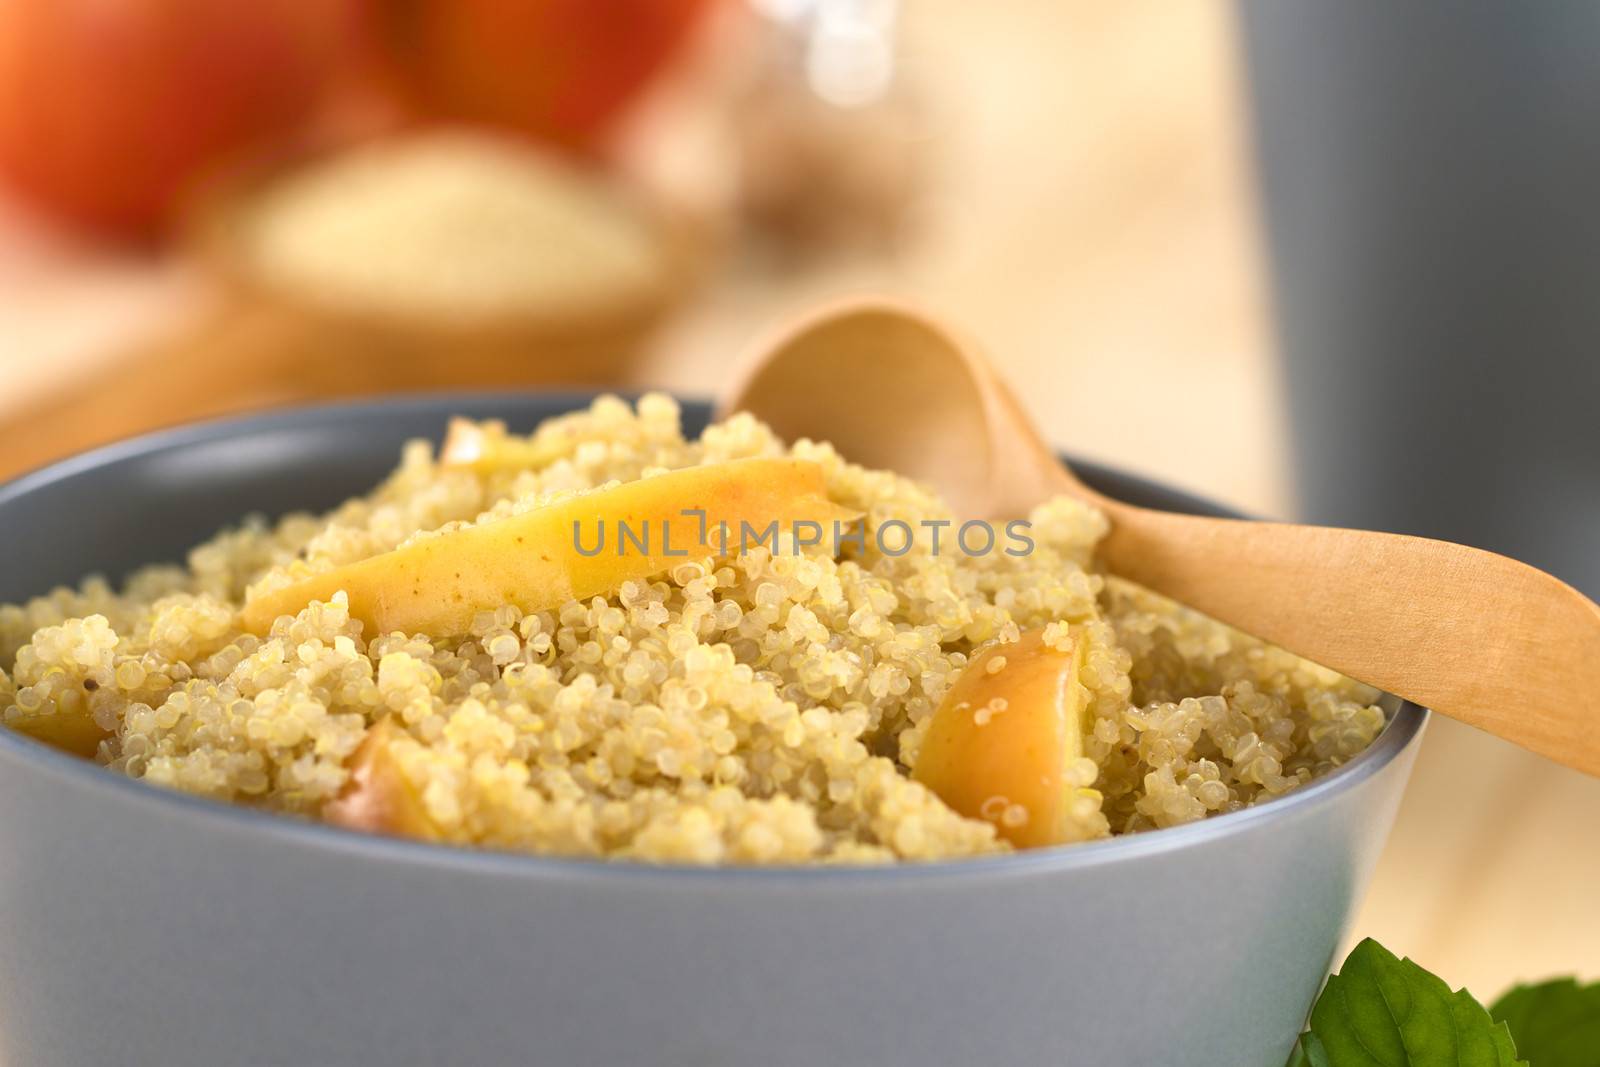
column 378, row 799
column 66, row 726
column 1000, row 741
column 575, row 548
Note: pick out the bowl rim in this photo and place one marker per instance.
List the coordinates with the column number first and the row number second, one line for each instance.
column 1403, row 729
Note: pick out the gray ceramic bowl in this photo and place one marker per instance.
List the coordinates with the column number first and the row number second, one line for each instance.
column 139, row 926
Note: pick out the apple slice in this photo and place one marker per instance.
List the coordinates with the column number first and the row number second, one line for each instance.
column 67, row 726
column 572, row 549
column 378, row 799
column 1001, row 741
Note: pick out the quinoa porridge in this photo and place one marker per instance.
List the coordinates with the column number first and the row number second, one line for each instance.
column 446, row 659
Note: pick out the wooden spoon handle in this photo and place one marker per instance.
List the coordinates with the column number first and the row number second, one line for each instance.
column 1474, row 635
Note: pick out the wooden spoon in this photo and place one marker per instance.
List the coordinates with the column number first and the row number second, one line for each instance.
column 1473, row 635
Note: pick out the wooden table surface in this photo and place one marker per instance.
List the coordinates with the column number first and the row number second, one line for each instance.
column 1102, row 239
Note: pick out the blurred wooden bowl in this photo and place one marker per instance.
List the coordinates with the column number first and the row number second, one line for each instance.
column 334, row 349
column 262, row 345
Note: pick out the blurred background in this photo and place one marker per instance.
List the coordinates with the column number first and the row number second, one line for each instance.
column 1318, row 260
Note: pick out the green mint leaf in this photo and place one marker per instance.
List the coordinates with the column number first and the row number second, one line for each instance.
column 1555, row 1023
column 1308, row 1052
column 1383, row 1011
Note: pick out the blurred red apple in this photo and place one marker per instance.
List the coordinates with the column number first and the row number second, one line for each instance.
column 110, row 110
column 562, row 70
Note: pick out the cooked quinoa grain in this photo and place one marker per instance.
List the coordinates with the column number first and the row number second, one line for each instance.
column 762, row 707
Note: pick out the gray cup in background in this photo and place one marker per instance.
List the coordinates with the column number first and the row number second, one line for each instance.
column 1431, row 176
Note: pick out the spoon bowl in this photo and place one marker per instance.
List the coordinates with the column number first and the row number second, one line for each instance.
column 893, row 389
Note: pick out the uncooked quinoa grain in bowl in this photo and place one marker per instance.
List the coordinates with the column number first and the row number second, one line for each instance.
column 604, row 639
